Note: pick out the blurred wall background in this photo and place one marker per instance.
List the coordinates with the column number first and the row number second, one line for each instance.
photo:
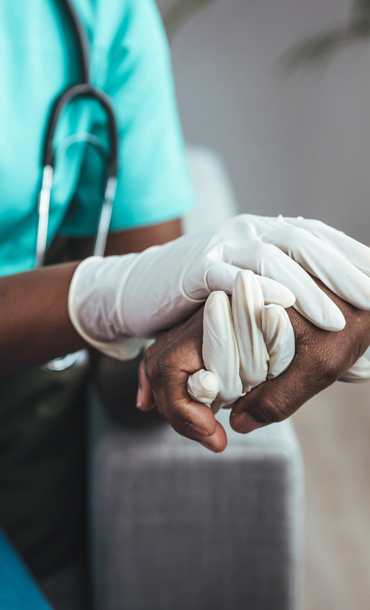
column 296, row 144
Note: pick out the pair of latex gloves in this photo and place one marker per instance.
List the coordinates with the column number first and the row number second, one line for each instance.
column 264, row 263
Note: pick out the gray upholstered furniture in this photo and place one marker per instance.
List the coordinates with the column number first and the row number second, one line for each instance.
column 175, row 527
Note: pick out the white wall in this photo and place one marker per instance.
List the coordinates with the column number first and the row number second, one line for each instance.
column 297, row 144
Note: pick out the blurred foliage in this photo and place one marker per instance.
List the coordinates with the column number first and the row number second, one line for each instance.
column 176, row 12
column 323, row 46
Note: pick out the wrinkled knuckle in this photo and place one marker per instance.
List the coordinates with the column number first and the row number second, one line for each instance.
column 271, row 411
column 152, row 371
column 165, row 361
column 327, row 368
column 149, row 353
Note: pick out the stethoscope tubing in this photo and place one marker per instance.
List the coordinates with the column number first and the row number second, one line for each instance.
column 80, row 39
column 73, row 92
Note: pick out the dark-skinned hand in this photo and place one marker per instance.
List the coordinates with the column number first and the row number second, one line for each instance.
column 321, row 358
column 163, row 376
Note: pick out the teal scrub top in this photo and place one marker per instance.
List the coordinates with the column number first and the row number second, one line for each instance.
column 18, row 591
column 129, row 61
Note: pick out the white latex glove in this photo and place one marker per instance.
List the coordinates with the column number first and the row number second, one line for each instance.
column 141, row 294
column 243, row 344
column 246, row 344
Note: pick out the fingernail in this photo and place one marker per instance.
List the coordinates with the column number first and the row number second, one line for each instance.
column 244, row 423
column 208, row 447
column 201, row 431
column 139, row 398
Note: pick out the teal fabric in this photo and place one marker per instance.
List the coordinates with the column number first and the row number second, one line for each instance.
column 129, row 60
column 18, row 591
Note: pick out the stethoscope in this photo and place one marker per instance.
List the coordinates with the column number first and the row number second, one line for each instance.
column 82, row 89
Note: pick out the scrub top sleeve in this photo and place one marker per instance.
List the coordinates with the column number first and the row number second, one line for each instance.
column 153, row 182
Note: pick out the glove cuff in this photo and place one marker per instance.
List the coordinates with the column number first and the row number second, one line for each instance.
column 95, row 305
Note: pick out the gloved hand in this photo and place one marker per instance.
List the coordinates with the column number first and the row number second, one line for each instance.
column 245, row 344
column 139, row 295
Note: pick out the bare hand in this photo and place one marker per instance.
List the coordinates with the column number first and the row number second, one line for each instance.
column 163, row 376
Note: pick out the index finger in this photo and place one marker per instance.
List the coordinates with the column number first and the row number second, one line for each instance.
column 215, row 441
column 174, row 374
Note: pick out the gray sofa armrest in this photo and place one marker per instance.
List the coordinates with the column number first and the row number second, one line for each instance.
column 174, row 526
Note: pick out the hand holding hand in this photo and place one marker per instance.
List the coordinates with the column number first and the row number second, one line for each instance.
column 321, row 358
column 245, row 344
column 114, row 299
